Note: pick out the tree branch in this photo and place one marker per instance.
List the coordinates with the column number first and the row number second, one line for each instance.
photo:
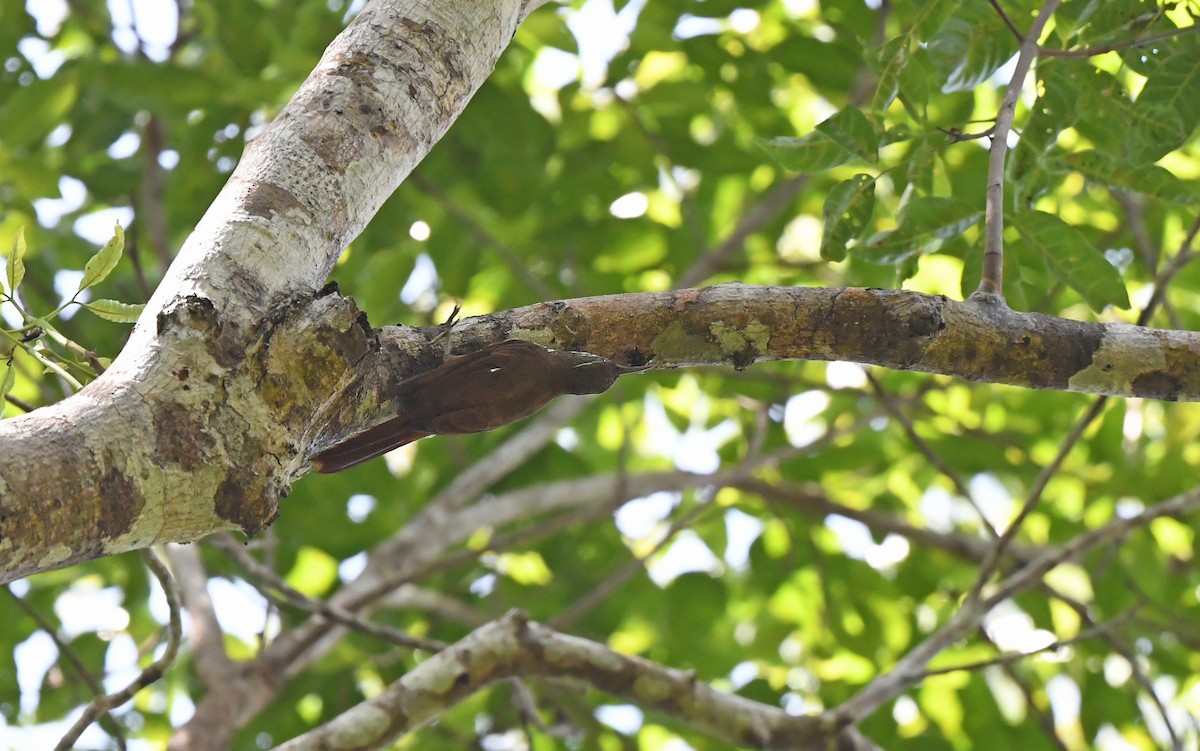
column 991, row 284
column 909, row 669
column 514, row 647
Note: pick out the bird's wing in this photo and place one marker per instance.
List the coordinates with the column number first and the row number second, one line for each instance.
column 478, row 391
column 367, row 445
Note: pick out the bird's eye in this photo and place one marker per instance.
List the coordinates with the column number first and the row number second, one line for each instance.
column 493, row 370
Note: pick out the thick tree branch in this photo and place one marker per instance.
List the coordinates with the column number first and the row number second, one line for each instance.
column 739, row 325
column 318, row 359
column 190, row 431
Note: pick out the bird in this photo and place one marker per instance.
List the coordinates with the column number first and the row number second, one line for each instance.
column 481, row 390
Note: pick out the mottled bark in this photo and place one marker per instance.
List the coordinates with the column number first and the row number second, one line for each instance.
column 201, row 422
column 241, row 367
column 514, row 647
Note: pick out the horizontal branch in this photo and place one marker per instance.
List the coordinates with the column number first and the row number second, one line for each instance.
column 212, row 436
column 738, row 325
column 514, row 647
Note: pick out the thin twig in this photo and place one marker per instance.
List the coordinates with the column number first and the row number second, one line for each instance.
column 1091, row 51
column 207, row 639
column 1187, row 252
column 909, row 669
column 813, row 502
column 102, row 704
column 991, row 282
column 19, row 403
column 271, row 583
column 1127, row 652
column 1007, row 21
column 115, row 729
column 151, row 212
column 1014, row 657
column 1072, row 550
column 1044, row 721
column 1115, row 46
column 927, row 451
column 91, row 357
column 771, row 205
column 1034, row 496
column 631, row 568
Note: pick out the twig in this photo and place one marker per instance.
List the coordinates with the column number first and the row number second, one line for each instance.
column 1007, row 21
column 711, row 261
column 781, row 196
column 89, row 356
column 1022, row 579
column 909, row 669
column 1167, row 273
column 271, row 583
column 631, row 568
column 207, row 639
column 533, row 532
column 1014, row 657
column 151, row 213
column 19, row 403
column 991, row 283
column 515, row 647
column 958, row 136
column 1044, row 721
column 1091, row 51
column 1115, row 46
column 927, row 451
column 511, row 259
column 814, row 503
column 107, row 720
column 102, row 704
column 1034, row 496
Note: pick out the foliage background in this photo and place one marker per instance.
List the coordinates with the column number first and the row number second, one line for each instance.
column 625, row 179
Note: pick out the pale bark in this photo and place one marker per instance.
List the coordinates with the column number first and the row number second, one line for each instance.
column 514, row 647
column 240, row 368
column 200, row 424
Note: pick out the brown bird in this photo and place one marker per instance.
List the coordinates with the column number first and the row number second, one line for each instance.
column 478, row 391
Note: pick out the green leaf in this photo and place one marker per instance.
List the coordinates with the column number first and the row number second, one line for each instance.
column 8, row 377
column 314, row 573
column 1144, row 131
column 815, row 152
column 846, row 136
column 111, row 310
column 1072, row 258
column 30, row 112
column 1056, row 108
column 851, row 130
column 922, row 168
column 101, row 265
column 15, row 271
column 926, row 222
column 848, row 208
column 1147, row 179
column 1176, row 86
column 893, row 58
column 970, row 47
column 916, row 81
column 930, row 16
